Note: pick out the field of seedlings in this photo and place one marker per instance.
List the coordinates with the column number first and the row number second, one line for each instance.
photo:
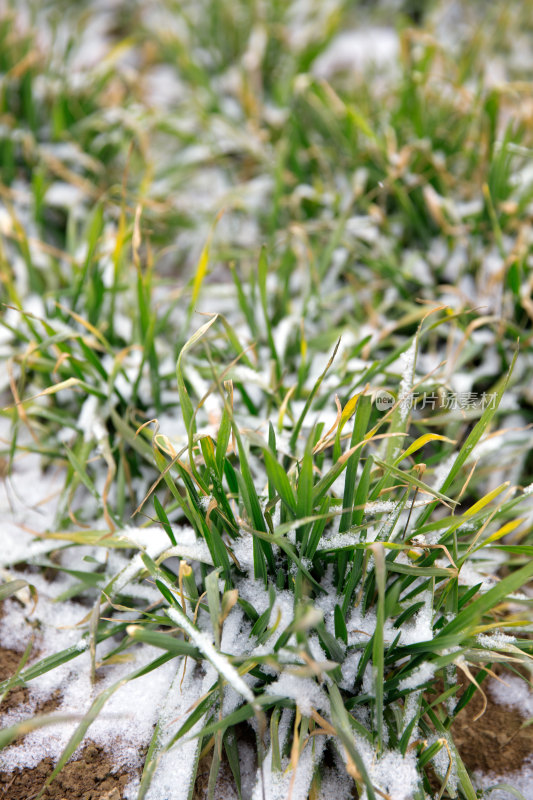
column 266, row 400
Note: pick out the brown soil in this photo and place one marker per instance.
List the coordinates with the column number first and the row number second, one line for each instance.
column 496, row 742
column 9, row 661
column 19, row 695
column 89, row 777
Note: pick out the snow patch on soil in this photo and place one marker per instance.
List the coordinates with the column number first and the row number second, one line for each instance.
column 521, row 781
column 514, row 692
column 125, row 724
column 356, row 50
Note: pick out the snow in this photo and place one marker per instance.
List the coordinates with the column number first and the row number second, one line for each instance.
column 243, row 551
column 410, row 713
column 441, row 762
column 521, row 780
column 162, row 87
column 28, row 504
column 236, row 641
column 89, row 421
column 125, row 724
column 380, row 507
column 189, row 547
column 339, row 540
column 126, row 575
column 513, row 692
column 496, row 641
column 407, row 362
column 156, row 543
column 175, row 766
column 442, row 471
column 272, row 785
column 420, row 628
column 304, row 691
column 357, row 50
column 217, row 659
column 153, row 540
column 388, row 525
column 349, row 669
column 64, row 195
column 418, row 677
column 392, row 773
column 469, row 576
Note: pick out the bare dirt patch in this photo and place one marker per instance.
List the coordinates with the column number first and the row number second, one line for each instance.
column 19, row 695
column 88, row 777
column 496, row 742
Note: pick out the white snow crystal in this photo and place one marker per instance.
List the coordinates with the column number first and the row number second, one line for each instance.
column 514, row 692
column 304, row 691
column 356, row 50
column 407, row 361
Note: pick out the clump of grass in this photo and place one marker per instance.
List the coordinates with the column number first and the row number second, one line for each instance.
column 330, row 590
column 315, row 563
